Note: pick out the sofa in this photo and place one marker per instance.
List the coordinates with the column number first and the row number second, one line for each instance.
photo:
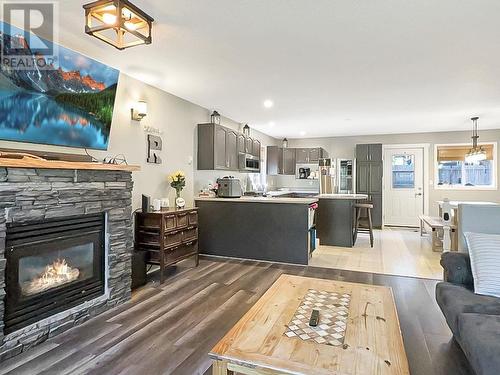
column 473, row 319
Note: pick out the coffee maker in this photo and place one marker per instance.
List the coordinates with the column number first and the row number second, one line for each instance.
column 304, row 173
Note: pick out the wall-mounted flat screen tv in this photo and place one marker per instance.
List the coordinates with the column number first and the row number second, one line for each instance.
column 65, row 100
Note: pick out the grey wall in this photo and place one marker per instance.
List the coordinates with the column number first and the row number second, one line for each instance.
column 344, row 147
column 177, row 118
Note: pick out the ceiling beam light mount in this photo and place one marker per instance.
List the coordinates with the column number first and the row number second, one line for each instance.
column 118, row 23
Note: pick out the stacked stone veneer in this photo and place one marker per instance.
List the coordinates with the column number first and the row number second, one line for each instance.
column 36, row 194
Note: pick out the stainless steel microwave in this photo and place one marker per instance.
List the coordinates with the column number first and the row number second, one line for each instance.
column 248, row 162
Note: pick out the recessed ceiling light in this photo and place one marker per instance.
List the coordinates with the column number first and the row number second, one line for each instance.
column 302, row 133
column 272, row 124
column 268, row 103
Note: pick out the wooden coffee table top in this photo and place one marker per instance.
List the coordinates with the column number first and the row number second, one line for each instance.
column 369, row 342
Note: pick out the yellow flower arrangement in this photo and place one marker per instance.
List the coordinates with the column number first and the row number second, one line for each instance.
column 177, row 181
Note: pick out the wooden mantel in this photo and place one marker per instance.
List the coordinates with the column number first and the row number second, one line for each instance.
column 58, row 164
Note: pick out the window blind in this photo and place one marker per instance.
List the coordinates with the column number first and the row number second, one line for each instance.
column 457, row 153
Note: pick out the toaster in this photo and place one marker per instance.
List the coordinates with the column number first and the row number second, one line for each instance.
column 229, row 187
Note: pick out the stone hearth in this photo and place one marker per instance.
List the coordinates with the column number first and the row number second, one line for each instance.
column 36, row 194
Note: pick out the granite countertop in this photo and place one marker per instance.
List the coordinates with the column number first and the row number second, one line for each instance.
column 247, row 199
column 342, row 196
column 277, row 193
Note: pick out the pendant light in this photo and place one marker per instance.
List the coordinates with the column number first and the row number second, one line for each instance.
column 118, row 22
column 476, row 153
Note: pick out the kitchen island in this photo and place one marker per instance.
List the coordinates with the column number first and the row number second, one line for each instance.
column 335, row 218
column 261, row 228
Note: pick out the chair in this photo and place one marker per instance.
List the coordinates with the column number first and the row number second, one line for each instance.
column 358, row 207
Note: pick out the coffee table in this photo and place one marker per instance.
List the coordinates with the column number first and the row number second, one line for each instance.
column 358, row 332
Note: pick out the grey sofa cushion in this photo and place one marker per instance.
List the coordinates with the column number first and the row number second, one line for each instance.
column 481, row 342
column 456, row 299
column 457, row 269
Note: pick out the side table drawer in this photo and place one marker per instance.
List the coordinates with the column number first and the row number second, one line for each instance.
column 179, row 252
column 170, row 222
column 182, row 220
column 193, row 218
column 190, row 234
column 173, row 239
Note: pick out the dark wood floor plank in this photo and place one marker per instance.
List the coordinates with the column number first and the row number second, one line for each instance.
column 170, row 328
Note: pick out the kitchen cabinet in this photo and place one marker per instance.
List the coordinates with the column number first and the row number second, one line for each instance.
column 231, row 150
column 369, row 152
column 241, row 143
column 302, row 155
column 280, row 160
column 309, row 155
column 369, row 176
column 248, row 145
column 219, row 147
column 256, row 148
column 288, row 161
column 220, row 159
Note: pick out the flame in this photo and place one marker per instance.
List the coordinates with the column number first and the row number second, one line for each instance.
column 55, row 274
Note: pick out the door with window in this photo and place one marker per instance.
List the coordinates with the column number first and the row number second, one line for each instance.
column 403, row 186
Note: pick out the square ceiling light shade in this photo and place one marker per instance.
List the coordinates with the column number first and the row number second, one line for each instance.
column 118, row 22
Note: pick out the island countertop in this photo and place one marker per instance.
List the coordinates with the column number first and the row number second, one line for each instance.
column 343, row 196
column 248, row 199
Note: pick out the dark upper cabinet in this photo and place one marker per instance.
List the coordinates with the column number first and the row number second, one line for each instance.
column 256, row 148
column 309, row 155
column 289, row 161
column 241, row 143
column 369, row 152
column 232, row 150
column 302, row 155
column 248, row 145
column 280, row 160
column 220, row 159
column 218, row 147
column 315, row 154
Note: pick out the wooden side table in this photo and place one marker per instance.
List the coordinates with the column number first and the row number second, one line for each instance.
column 168, row 236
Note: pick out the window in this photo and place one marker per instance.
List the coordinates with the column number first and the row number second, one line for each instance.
column 403, row 171
column 452, row 172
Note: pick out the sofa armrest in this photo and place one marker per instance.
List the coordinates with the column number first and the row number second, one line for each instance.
column 457, row 269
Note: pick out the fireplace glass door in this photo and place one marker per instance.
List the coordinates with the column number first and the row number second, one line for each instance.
column 52, row 266
column 54, row 269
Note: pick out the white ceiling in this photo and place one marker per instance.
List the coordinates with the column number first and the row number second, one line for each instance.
column 332, row 67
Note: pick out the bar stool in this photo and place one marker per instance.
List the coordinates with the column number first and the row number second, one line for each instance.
column 358, row 207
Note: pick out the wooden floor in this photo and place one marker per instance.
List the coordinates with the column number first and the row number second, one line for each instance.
column 169, row 329
column 401, row 252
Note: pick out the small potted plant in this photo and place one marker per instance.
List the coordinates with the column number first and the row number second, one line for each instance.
column 178, row 181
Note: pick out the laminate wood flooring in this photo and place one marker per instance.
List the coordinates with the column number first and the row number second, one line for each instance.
column 396, row 251
column 170, row 328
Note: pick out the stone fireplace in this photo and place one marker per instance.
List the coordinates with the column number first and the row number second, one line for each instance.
column 65, row 250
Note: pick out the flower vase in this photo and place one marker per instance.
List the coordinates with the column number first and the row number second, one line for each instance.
column 179, row 202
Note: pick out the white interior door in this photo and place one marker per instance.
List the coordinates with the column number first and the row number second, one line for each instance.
column 403, row 186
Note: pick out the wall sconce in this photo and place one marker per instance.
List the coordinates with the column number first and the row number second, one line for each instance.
column 139, row 111
column 284, row 143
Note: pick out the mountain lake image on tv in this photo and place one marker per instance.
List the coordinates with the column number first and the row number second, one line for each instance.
column 69, row 102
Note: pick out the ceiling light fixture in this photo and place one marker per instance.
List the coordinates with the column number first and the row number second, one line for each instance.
column 476, row 153
column 302, row 133
column 268, row 103
column 272, row 124
column 118, row 23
